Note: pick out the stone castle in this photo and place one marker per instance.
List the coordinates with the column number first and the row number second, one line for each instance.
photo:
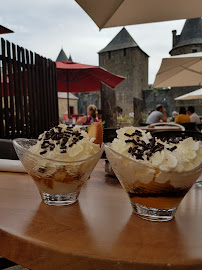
column 124, row 57
column 189, row 41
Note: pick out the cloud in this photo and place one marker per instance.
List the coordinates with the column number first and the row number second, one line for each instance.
column 46, row 26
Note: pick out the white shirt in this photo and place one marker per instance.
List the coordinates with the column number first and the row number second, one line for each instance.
column 194, row 118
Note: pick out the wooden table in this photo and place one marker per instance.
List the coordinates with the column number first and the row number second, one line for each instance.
column 99, row 232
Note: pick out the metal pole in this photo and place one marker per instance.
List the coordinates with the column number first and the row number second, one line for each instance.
column 68, row 108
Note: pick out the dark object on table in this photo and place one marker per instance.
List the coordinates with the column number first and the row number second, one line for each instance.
column 109, row 134
column 108, row 169
column 7, row 150
column 190, row 126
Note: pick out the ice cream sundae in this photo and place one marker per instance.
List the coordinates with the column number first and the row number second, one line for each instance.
column 61, row 160
column 155, row 172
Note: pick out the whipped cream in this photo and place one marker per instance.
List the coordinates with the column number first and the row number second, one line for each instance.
column 64, row 143
column 176, row 155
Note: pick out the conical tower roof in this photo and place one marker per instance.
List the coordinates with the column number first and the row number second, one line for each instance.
column 70, row 58
column 191, row 33
column 122, row 40
column 62, row 56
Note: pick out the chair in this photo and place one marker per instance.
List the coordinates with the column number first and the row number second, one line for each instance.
column 199, row 126
column 191, row 126
column 7, row 150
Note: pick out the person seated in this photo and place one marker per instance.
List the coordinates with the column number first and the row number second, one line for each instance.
column 174, row 115
column 182, row 116
column 193, row 116
column 90, row 117
column 157, row 115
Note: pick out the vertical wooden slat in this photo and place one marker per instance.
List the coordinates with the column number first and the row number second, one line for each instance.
column 30, row 94
column 1, row 105
column 16, row 91
column 11, row 93
column 40, row 113
column 19, row 72
column 34, row 95
column 47, row 94
column 54, row 76
column 25, row 94
column 5, row 88
column 51, row 91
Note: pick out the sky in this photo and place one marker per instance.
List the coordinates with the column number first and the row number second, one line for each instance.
column 46, row 26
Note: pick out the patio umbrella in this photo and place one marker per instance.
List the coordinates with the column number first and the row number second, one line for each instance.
column 110, row 13
column 180, row 70
column 76, row 78
column 197, row 94
column 4, row 30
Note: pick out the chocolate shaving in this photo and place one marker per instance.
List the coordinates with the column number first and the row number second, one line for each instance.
column 42, row 170
column 172, row 148
column 43, row 152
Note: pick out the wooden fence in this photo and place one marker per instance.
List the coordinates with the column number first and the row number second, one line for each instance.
column 28, row 93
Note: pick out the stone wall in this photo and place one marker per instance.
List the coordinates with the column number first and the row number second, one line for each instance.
column 153, row 97
column 167, row 98
column 86, row 99
column 186, row 49
column 62, row 105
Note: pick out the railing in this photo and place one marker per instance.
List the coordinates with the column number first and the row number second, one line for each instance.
column 28, row 92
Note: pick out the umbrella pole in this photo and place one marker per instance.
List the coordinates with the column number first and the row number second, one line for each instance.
column 68, row 108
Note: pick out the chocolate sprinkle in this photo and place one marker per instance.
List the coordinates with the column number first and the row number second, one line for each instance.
column 60, row 137
column 141, row 149
column 43, row 152
column 42, row 170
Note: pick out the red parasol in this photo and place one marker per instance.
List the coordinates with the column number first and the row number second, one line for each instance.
column 75, row 78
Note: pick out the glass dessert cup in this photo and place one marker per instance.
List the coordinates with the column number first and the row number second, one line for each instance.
column 199, row 181
column 154, row 194
column 59, row 182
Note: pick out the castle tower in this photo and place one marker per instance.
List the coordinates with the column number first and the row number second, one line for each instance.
column 122, row 56
column 62, row 56
column 190, row 39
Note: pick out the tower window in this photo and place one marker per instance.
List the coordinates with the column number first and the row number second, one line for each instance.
column 194, row 50
column 109, row 55
column 124, row 52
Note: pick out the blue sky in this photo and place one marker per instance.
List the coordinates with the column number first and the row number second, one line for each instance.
column 46, row 26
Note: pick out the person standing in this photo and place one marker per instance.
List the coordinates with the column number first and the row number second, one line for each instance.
column 193, row 116
column 182, row 117
column 157, row 115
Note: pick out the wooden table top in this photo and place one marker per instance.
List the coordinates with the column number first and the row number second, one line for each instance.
column 99, row 232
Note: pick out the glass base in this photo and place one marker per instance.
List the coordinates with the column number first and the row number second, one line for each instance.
column 60, row 199
column 153, row 214
column 199, row 183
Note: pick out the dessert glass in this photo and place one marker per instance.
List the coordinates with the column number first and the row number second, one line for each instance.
column 151, row 198
column 199, row 181
column 59, row 182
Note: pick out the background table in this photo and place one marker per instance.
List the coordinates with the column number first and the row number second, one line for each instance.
column 99, row 232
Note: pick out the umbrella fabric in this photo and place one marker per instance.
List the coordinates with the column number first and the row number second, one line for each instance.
column 197, row 94
column 180, row 70
column 110, row 13
column 83, row 78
